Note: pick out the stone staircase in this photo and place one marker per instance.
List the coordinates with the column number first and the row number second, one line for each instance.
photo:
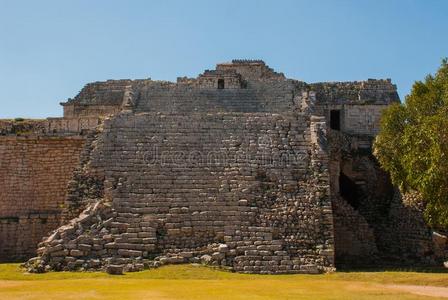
column 238, row 188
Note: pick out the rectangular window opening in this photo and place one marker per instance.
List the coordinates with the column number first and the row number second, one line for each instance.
column 335, row 119
column 220, row 84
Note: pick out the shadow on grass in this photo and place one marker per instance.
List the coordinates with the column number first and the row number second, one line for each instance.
column 439, row 270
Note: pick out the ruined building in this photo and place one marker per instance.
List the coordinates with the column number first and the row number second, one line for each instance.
column 239, row 167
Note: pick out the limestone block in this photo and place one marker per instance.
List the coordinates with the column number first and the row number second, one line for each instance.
column 115, row 269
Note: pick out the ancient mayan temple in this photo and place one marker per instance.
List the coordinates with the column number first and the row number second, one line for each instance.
column 239, row 167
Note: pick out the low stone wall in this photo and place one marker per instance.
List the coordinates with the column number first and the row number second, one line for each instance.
column 48, row 127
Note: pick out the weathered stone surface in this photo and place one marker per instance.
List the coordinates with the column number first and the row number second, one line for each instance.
column 239, row 167
column 206, row 259
column 115, row 269
column 34, row 174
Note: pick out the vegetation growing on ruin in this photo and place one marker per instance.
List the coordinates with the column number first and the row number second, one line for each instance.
column 413, row 144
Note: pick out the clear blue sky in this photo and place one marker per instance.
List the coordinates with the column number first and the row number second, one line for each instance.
column 50, row 49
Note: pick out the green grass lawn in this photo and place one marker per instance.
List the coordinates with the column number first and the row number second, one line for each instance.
column 198, row 282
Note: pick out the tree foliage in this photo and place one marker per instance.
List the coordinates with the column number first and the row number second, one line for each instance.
column 413, row 144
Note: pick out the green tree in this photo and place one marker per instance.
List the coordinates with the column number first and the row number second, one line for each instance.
column 413, row 144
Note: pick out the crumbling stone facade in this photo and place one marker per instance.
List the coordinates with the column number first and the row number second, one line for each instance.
column 239, row 167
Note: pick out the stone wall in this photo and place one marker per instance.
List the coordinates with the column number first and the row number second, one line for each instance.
column 371, row 91
column 97, row 99
column 373, row 225
column 268, row 96
column 362, row 119
column 34, row 172
column 355, row 243
column 20, row 235
column 409, row 238
column 49, row 126
column 90, row 111
column 249, row 190
column 239, row 167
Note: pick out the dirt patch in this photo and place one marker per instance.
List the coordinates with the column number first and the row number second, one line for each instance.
column 9, row 284
column 422, row 290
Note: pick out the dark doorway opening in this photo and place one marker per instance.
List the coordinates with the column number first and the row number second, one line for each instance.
column 335, row 119
column 349, row 190
column 220, row 84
